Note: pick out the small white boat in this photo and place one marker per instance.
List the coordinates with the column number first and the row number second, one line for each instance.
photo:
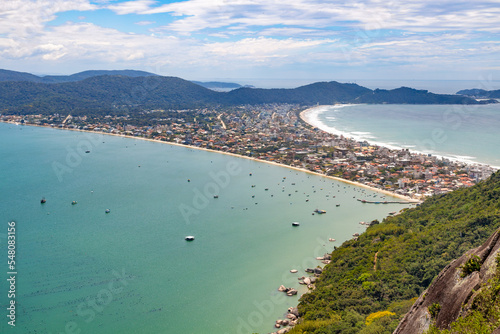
column 295, row 224
column 189, row 238
column 331, row 239
column 108, row 211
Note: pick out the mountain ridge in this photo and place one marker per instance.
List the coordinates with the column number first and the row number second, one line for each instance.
column 134, row 91
column 480, row 93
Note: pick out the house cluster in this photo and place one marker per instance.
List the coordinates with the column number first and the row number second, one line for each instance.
column 276, row 133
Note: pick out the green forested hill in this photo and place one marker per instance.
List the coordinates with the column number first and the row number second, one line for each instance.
column 86, row 93
column 6, row 75
column 480, row 93
column 411, row 249
column 103, row 94
column 405, row 95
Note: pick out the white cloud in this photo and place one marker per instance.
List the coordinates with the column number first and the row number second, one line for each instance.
column 262, row 49
column 80, row 42
column 420, row 15
column 25, row 18
column 224, row 35
column 145, row 23
column 132, row 7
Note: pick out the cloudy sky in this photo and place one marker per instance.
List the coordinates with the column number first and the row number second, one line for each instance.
column 297, row 40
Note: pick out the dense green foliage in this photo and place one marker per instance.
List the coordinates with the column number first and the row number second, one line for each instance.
column 412, row 248
column 103, row 95
column 484, row 316
column 434, row 310
column 471, row 265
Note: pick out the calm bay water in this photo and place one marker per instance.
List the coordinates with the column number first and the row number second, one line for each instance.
column 467, row 133
column 131, row 271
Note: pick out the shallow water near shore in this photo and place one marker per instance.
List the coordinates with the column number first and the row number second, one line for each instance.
column 467, row 133
column 130, row 270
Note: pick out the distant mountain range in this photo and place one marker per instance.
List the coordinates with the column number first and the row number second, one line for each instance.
column 480, row 93
column 92, row 92
column 6, row 75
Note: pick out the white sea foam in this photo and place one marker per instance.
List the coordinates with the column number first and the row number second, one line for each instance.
column 312, row 116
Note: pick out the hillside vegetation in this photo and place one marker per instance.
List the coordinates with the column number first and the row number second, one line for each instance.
column 356, row 295
column 117, row 92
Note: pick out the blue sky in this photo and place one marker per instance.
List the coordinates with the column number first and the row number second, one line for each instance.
column 295, row 40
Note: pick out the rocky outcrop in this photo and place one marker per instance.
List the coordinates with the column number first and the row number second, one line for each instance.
column 288, row 291
column 316, row 271
column 450, row 295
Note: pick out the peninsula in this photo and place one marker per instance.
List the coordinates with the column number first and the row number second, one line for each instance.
column 277, row 133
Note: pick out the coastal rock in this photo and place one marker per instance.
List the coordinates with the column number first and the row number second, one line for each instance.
column 327, row 256
column 282, row 288
column 307, row 281
column 291, row 316
column 284, row 330
column 453, row 293
column 318, row 270
column 294, row 311
column 279, row 322
column 293, row 271
column 285, row 322
column 277, row 325
column 291, row 292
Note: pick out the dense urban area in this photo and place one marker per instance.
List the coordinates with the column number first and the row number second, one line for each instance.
column 276, row 132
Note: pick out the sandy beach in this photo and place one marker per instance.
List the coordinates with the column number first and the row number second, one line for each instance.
column 353, row 183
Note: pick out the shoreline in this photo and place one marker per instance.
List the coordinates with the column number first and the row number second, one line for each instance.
column 304, row 118
column 353, row 183
column 298, row 169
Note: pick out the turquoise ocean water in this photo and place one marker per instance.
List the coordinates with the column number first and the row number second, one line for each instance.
column 466, row 133
column 81, row 270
